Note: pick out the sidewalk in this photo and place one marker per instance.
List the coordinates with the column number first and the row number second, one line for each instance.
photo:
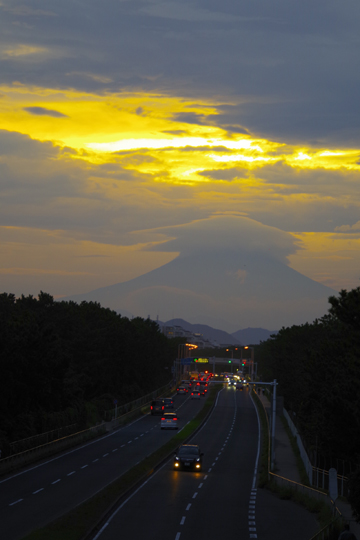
column 285, row 464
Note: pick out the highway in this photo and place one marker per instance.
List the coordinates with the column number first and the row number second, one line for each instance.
column 43, row 492
column 222, row 501
column 215, row 503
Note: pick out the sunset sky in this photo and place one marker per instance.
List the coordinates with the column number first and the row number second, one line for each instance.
column 125, row 124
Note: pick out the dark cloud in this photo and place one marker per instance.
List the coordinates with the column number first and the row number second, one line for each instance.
column 41, row 111
column 290, row 70
column 221, row 149
column 236, row 129
column 16, row 144
column 228, row 232
column 225, row 174
column 190, row 118
column 175, row 132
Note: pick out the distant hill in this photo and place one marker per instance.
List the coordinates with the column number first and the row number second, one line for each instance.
column 225, row 289
column 249, row 336
column 212, row 334
column 253, row 336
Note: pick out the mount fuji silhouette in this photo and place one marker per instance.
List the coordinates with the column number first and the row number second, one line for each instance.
column 225, row 288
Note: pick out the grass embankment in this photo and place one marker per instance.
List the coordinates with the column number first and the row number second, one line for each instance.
column 76, row 524
column 313, row 505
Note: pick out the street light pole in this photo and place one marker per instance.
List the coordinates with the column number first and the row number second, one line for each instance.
column 273, row 426
column 251, row 360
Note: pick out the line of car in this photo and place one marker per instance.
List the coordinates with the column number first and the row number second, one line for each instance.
column 187, row 456
column 161, row 406
column 197, row 388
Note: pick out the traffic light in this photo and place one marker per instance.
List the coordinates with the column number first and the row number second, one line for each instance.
column 229, row 361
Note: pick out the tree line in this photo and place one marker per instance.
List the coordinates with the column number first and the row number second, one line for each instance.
column 63, row 363
column 317, row 367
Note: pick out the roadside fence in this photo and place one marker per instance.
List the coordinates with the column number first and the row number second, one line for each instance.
column 26, row 451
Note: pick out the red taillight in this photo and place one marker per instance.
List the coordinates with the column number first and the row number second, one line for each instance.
column 162, row 419
column 151, row 407
column 175, row 419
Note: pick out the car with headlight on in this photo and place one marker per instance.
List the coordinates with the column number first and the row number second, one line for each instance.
column 169, row 421
column 188, row 457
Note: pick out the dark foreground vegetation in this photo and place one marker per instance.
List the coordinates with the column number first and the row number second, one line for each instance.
column 64, row 363
column 317, row 367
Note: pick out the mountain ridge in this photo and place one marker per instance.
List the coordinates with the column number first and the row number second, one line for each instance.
column 225, row 289
column 247, row 336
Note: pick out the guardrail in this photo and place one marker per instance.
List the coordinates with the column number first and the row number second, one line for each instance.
column 121, row 410
column 327, row 532
column 17, row 447
column 22, row 459
column 40, row 451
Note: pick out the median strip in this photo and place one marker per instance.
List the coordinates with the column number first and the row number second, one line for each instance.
column 83, row 520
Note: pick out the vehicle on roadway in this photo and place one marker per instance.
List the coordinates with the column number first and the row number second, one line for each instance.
column 188, row 457
column 182, row 390
column 169, row 421
column 202, row 389
column 168, row 403
column 195, row 394
column 157, row 406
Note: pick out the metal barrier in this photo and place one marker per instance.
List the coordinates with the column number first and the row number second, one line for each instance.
column 121, row 410
column 326, row 532
column 120, row 416
column 318, row 478
column 22, row 459
column 21, row 445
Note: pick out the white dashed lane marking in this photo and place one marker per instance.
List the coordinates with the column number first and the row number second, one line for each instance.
column 16, row 502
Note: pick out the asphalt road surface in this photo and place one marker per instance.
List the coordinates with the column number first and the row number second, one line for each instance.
column 45, row 491
column 220, row 502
